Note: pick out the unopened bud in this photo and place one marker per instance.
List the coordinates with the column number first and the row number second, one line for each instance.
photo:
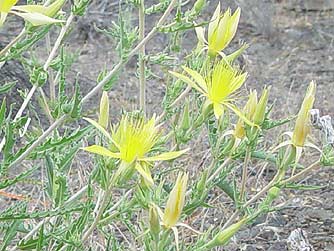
column 224, row 237
column 154, row 221
column 261, row 107
column 104, row 110
column 198, row 6
column 185, row 122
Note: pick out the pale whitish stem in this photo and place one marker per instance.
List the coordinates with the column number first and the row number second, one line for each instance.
column 51, row 76
column 99, row 86
column 244, row 174
column 55, row 124
column 73, row 198
column 45, row 67
column 219, row 169
column 142, row 79
column 250, row 201
column 17, row 38
column 46, row 106
column 176, row 101
column 302, row 173
column 105, row 199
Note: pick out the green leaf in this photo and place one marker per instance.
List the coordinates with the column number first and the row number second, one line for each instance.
column 2, row 112
column 9, row 182
column 303, row 187
column 6, row 87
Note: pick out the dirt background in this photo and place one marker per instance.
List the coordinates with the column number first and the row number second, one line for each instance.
column 291, row 43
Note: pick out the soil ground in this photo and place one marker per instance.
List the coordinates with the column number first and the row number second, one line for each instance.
column 291, row 43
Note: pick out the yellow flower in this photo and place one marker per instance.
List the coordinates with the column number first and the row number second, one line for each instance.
column 218, row 87
column 222, row 29
column 302, row 125
column 132, row 140
column 35, row 14
column 175, row 202
column 174, row 206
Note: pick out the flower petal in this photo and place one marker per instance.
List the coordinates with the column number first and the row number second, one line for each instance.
column 102, row 130
column 146, row 174
column 165, row 156
column 283, row 144
column 102, row 151
column 239, row 113
column 187, row 80
column 218, row 110
column 176, row 235
column 37, row 19
column 197, row 77
column 200, row 35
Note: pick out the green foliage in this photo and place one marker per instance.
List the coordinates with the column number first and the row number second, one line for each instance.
column 201, row 146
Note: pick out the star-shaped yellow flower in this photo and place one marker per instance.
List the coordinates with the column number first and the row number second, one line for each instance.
column 218, row 86
column 132, row 140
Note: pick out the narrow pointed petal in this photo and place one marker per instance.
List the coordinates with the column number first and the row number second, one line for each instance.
column 200, row 31
column 299, row 151
column 197, row 77
column 214, row 21
column 102, row 151
column 176, row 235
column 3, row 16
column 239, row 114
column 283, row 144
column 165, row 156
column 102, row 130
column 189, row 227
column 311, row 145
column 188, row 81
column 218, row 110
column 37, row 19
column 146, row 174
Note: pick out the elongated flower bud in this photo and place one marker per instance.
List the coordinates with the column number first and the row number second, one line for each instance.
column 251, row 105
column 222, row 29
column 224, row 237
column 104, row 110
column 260, row 113
column 198, row 6
column 185, row 122
column 175, row 201
column 154, row 221
column 302, row 126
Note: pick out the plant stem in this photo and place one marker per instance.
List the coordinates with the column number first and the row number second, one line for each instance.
column 16, row 39
column 97, row 88
column 73, row 198
column 103, row 205
column 302, row 173
column 45, row 67
column 253, row 199
column 244, row 174
column 142, row 80
column 219, row 169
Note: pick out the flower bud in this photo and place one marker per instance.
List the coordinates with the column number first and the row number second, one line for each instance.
column 251, row 105
column 302, row 126
column 175, row 201
column 260, row 113
column 154, row 221
column 224, row 237
column 222, row 29
column 198, row 6
column 104, row 110
column 185, row 122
